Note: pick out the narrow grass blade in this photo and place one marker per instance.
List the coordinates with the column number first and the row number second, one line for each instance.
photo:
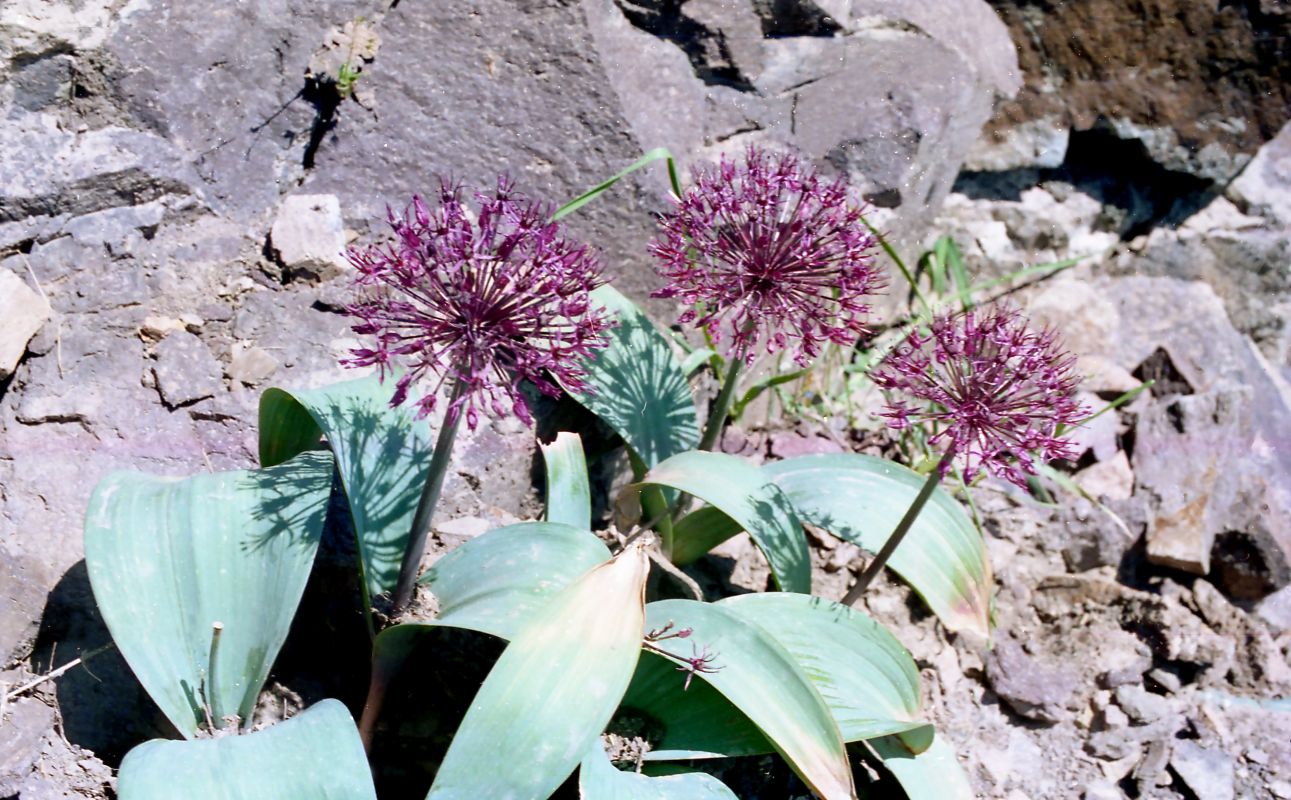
column 569, row 496
column 696, row 359
column 170, row 557
column 594, row 192
column 554, row 689
column 315, row 754
column 761, row 385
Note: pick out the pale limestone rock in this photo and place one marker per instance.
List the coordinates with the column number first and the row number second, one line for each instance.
column 309, row 237
column 22, row 313
column 1112, row 479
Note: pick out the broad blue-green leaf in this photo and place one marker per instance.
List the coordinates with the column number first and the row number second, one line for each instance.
column 316, row 754
column 598, row 779
column 865, row 676
column 934, row 774
column 862, row 498
column 764, row 682
column 639, row 388
column 569, row 497
column 169, row 557
column 382, row 454
column 496, row 582
column 742, row 492
column 555, row 687
column 700, row 531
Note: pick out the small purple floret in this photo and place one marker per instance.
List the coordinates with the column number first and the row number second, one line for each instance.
column 484, row 301
column 995, row 391
column 769, row 256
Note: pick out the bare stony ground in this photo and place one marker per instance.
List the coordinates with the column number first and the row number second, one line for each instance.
column 175, row 190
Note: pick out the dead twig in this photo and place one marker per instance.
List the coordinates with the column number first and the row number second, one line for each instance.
column 49, row 676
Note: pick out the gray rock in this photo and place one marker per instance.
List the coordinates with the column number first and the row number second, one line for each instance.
column 1033, row 144
column 22, row 600
column 1152, row 767
column 788, row 444
column 44, row 82
column 1202, row 432
column 1142, row 706
column 22, row 313
column 21, row 736
column 1166, row 680
column 251, row 365
column 1122, row 659
column 1033, row 688
column 1275, row 611
column 891, row 140
column 1090, row 538
column 1102, row 790
column 1113, row 718
column 1207, row 771
column 80, row 173
column 896, row 135
column 1264, row 187
column 308, row 237
column 973, row 30
column 244, row 121
column 1219, row 473
column 1112, row 479
column 113, row 227
column 185, row 370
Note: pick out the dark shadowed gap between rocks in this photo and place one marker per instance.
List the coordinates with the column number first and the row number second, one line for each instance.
column 1117, row 172
column 707, row 45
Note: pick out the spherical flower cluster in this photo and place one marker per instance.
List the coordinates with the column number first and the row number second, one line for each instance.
column 995, row 391
column 769, row 256
column 481, row 303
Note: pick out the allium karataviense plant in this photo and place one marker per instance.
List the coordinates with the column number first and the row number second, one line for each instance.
column 474, row 304
column 996, row 393
column 769, row 256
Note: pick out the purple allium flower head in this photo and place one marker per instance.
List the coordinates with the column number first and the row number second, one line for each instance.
column 769, row 254
column 484, row 303
column 995, row 390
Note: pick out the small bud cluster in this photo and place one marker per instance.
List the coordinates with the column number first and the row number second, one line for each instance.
column 699, row 660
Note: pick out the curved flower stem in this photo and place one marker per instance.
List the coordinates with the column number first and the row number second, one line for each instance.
column 412, row 554
column 902, row 528
column 722, row 405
